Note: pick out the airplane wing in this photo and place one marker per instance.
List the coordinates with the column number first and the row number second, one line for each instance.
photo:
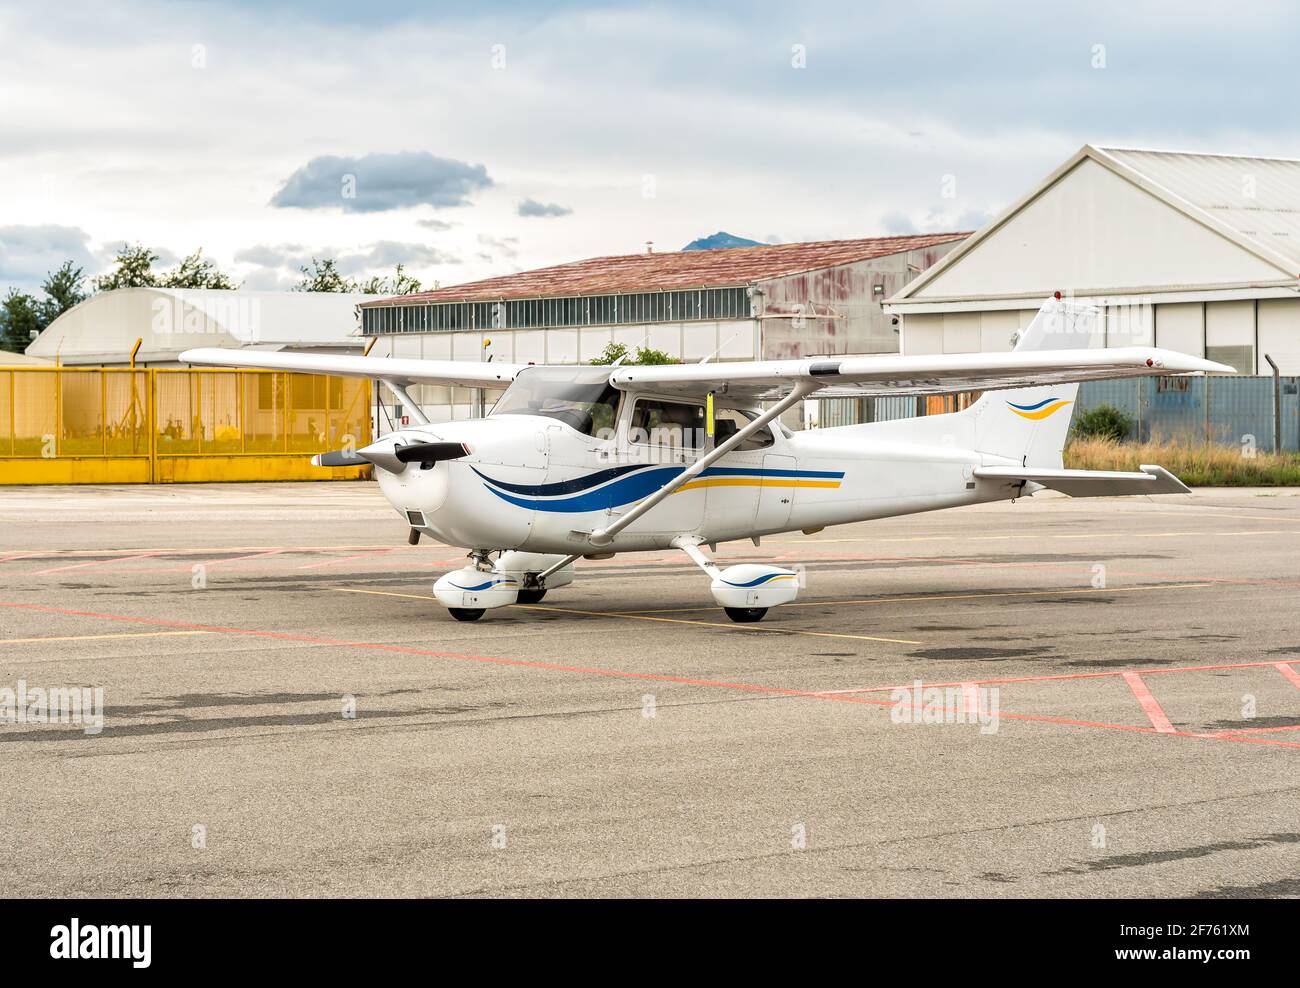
column 400, row 371
column 1090, row 483
column 835, row 377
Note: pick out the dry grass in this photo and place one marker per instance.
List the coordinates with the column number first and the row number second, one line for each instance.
column 1197, row 465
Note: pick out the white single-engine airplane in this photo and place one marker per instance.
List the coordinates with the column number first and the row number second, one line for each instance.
column 588, row 461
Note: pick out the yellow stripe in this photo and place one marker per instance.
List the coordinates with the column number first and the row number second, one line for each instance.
column 757, row 482
column 1042, row 413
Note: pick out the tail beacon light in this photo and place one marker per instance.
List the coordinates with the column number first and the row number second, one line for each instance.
column 472, row 589
column 754, row 585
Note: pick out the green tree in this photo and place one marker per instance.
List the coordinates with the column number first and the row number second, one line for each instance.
column 643, row 355
column 196, row 271
column 400, row 284
column 63, row 289
column 132, row 268
column 322, row 275
column 20, row 317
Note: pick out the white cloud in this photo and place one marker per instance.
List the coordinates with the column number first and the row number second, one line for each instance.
column 600, row 109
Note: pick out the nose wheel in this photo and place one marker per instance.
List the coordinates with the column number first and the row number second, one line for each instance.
column 466, row 613
column 745, row 615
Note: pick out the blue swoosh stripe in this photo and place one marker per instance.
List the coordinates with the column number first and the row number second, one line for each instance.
column 632, row 488
column 563, row 486
column 757, row 580
column 1030, row 408
column 739, row 472
column 641, row 483
column 481, row 586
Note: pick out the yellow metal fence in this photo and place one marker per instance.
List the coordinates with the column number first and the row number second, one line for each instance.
column 159, row 425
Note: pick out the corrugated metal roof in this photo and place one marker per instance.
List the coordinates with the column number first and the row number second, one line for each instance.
column 675, row 271
column 1258, row 198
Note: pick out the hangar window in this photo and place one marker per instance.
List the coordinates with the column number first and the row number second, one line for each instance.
column 551, row 312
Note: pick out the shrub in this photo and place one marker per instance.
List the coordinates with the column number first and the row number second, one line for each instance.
column 1103, row 422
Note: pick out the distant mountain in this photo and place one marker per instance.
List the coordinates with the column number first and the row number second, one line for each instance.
column 721, row 239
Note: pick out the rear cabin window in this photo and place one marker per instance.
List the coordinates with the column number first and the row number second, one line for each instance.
column 728, row 421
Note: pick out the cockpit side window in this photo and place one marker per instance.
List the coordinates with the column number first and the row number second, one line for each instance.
column 581, row 398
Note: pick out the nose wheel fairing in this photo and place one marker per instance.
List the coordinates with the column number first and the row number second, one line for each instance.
column 513, row 577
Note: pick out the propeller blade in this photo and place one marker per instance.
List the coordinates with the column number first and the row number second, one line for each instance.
column 430, row 452
column 392, row 458
column 338, row 458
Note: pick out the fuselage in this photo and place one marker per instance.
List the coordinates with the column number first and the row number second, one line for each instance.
column 537, row 483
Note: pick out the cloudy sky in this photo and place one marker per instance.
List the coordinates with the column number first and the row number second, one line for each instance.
column 466, row 140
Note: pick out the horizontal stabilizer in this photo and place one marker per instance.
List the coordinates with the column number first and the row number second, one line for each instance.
column 1090, row 483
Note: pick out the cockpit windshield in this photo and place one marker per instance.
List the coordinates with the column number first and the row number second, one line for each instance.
column 580, row 397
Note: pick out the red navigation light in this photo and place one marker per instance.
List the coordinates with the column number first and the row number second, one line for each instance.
column 1150, row 362
column 1057, row 296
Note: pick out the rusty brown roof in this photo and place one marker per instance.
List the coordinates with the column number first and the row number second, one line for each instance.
column 674, row 270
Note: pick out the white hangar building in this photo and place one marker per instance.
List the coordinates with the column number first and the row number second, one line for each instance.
column 102, row 330
column 1199, row 253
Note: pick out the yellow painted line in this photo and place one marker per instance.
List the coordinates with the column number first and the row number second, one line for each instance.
column 1276, row 531
column 729, row 625
column 384, row 593
column 87, row 638
column 638, row 616
column 958, row 596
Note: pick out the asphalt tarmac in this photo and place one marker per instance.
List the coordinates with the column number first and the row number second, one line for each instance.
column 1114, row 706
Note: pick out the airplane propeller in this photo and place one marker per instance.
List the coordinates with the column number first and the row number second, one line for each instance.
column 392, row 458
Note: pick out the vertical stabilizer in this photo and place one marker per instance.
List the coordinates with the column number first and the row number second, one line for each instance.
column 1029, row 425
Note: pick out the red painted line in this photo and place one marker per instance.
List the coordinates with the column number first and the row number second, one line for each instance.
column 344, row 559
column 1065, row 676
column 841, row 697
column 1285, row 669
column 1149, row 704
column 93, row 562
column 231, row 559
column 1260, row 730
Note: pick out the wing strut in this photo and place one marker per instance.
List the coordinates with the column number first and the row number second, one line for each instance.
column 604, row 536
column 415, row 411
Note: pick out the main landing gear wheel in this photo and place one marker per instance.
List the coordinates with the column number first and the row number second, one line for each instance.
column 531, row 596
column 744, row 615
column 466, row 613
